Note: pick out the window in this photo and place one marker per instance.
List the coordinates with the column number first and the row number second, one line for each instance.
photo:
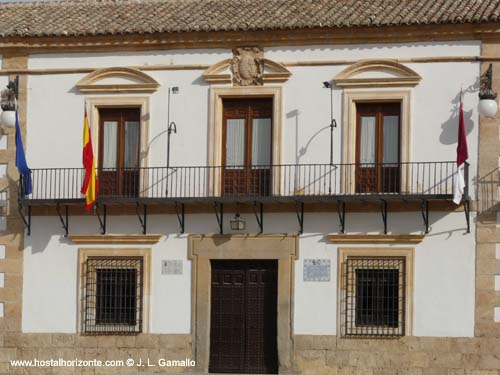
column 375, row 296
column 113, row 295
column 119, row 150
column 247, row 139
column 378, row 147
column 372, row 180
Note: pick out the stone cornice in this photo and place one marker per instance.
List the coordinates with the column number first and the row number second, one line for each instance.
column 375, row 238
column 123, row 239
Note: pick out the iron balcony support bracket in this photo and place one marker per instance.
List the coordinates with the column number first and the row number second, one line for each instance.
column 102, row 221
column 383, row 211
column 425, row 214
column 64, row 220
column 143, row 218
column 467, row 213
column 341, row 213
column 466, row 192
column 299, row 208
column 219, row 214
column 259, row 216
column 25, row 218
column 180, row 215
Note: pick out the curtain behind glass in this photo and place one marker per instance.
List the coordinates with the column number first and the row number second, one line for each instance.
column 391, row 139
column 131, row 144
column 109, row 149
column 261, row 142
column 235, row 143
column 367, row 141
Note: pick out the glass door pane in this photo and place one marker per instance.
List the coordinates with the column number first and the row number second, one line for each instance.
column 391, row 139
column 132, row 135
column 110, row 145
column 235, row 144
column 390, row 174
column 367, row 150
column 261, row 143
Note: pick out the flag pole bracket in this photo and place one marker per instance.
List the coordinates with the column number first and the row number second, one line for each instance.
column 25, row 218
column 143, row 217
column 180, row 215
column 102, row 220
column 63, row 218
column 341, row 213
column 219, row 214
column 425, row 214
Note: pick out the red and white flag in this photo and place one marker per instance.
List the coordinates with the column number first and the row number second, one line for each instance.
column 462, row 156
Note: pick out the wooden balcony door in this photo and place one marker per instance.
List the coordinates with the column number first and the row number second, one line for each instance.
column 378, row 147
column 247, row 141
column 119, row 140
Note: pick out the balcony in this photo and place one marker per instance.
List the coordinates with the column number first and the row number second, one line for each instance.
column 199, row 188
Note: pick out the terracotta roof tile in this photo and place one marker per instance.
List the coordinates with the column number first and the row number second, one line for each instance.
column 108, row 17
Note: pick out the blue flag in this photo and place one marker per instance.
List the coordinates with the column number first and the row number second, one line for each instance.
column 21, row 164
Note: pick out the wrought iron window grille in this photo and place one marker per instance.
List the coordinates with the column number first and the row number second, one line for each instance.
column 375, row 297
column 112, row 295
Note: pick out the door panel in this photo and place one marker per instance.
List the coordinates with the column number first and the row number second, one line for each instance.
column 378, row 148
column 119, row 149
column 367, row 171
column 108, row 175
column 390, row 169
column 243, row 328
column 235, row 172
column 247, row 136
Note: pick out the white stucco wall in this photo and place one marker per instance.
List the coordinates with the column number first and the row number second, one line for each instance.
column 443, row 286
column 306, row 108
column 444, row 263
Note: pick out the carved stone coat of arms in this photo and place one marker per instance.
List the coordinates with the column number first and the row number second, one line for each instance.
column 248, row 66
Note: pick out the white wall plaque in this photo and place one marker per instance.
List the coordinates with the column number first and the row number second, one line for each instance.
column 171, row 267
column 317, row 269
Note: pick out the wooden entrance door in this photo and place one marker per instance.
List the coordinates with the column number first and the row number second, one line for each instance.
column 378, row 147
column 247, row 140
column 119, row 140
column 243, row 319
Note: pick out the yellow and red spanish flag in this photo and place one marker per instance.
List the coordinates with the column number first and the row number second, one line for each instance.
column 89, row 187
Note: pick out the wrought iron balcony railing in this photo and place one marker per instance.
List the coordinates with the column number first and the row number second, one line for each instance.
column 426, row 180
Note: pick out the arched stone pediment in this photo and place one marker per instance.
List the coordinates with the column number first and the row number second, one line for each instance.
column 377, row 73
column 120, row 79
column 222, row 72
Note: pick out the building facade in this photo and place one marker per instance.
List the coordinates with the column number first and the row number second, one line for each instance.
column 274, row 197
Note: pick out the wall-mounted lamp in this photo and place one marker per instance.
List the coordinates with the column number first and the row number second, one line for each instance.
column 488, row 106
column 237, row 223
column 8, row 102
column 333, row 123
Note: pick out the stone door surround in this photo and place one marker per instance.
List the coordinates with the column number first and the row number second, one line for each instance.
column 203, row 248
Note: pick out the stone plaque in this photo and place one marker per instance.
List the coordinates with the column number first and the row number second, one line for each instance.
column 317, row 269
column 171, row 267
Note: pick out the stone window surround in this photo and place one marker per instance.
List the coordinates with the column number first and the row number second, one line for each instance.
column 407, row 252
column 351, row 97
column 117, row 101
column 203, row 248
column 217, row 94
column 145, row 253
